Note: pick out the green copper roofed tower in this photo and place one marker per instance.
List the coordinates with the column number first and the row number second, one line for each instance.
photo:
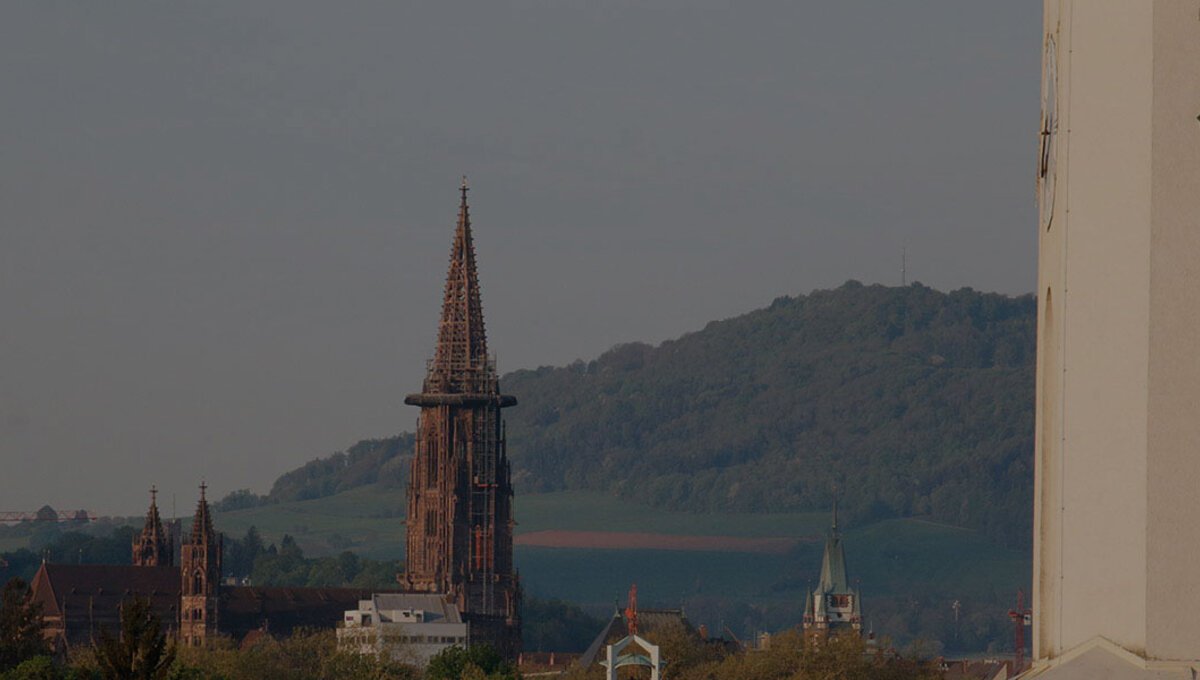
column 834, row 605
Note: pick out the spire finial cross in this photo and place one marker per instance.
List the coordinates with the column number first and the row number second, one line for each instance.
column 464, row 188
column 153, row 494
column 203, row 488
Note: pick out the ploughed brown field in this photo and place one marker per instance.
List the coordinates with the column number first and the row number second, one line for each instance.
column 625, row 540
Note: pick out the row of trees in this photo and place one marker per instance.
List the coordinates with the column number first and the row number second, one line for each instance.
column 549, row 624
column 246, row 557
column 285, row 565
column 788, row 657
column 141, row 650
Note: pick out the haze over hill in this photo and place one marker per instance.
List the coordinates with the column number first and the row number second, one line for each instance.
column 225, row 223
column 908, row 401
column 916, row 404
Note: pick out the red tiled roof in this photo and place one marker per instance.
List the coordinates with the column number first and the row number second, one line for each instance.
column 282, row 610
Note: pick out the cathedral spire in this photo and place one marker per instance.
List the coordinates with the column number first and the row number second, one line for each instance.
column 460, row 362
column 459, row 526
column 153, row 547
column 202, row 526
column 152, row 517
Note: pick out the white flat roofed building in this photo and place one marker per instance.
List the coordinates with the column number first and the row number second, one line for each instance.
column 408, row 628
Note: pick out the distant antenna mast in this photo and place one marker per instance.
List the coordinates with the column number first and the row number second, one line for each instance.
column 904, row 265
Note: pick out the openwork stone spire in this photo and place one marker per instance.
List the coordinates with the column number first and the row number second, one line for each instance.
column 460, row 522
column 460, row 364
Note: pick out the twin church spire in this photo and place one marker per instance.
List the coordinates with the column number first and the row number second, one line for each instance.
column 155, row 546
column 200, row 558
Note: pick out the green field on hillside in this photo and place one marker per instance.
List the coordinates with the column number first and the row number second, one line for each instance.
column 10, row 543
column 909, row 571
column 369, row 520
column 918, row 557
column 891, row 558
column 588, row 511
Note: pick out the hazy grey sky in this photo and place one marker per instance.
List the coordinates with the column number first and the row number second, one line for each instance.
column 224, row 226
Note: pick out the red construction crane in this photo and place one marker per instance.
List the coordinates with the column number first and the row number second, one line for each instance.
column 1021, row 617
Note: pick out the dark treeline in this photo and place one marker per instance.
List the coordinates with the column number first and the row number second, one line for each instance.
column 550, row 625
column 143, row 649
column 371, row 461
column 246, row 558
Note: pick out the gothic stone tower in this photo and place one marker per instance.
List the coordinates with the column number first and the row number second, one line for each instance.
column 200, row 569
column 154, row 546
column 460, row 518
column 1117, row 462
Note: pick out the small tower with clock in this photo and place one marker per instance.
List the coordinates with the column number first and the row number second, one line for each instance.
column 833, row 607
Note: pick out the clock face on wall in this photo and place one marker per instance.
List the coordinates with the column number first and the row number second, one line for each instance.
column 1049, row 134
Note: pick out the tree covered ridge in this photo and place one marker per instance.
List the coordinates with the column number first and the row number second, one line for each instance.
column 908, row 400
column 370, row 461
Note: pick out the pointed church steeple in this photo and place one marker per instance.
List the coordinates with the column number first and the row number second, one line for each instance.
column 153, row 547
column 202, row 526
column 833, row 563
column 460, row 363
column 833, row 604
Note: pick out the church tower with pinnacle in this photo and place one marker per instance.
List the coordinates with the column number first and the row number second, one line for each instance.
column 833, row 607
column 460, row 518
column 154, row 546
column 200, row 571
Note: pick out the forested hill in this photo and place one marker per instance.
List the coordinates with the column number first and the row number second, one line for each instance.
column 908, row 401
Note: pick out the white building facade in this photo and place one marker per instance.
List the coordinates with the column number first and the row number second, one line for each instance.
column 1116, row 522
column 406, row 628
